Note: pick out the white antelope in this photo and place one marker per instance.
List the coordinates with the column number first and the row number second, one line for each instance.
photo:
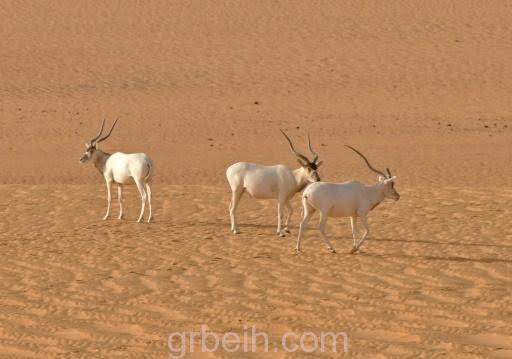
column 349, row 199
column 265, row 182
column 121, row 168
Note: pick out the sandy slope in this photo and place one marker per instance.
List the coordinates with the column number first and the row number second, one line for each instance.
column 421, row 87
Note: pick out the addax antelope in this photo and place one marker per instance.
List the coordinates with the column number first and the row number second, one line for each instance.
column 350, row 199
column 264, row 182
column 121, row 168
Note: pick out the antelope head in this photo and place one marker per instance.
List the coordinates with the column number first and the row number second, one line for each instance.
column 92, row 146
column 386, row 179
column 310, row 167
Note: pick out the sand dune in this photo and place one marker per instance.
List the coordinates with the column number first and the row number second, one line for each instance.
column 420, row 87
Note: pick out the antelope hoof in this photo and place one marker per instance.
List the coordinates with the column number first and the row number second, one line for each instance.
column 287, row 230
column 235, row 231
column 332, row 250
column 298, row 251
column 281, row 234
column 149, row 220
column 139, row 220
column 120, row 217
column 354, row 250
column 105, row 218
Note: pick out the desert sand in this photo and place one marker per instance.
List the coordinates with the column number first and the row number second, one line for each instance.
column 420, row 87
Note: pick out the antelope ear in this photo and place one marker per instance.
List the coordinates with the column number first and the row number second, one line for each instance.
column 86, row 145
column 302, row 163
column 319, row 163
column 391, row 179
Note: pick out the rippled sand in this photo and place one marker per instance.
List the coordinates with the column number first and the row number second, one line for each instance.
column 422, row 88
column 75, row 285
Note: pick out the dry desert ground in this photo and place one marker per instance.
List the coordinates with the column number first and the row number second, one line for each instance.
column 423, row 88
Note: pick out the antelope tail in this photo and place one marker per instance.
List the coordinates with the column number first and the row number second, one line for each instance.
column 149, row 171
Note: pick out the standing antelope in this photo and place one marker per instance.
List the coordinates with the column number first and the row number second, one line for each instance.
column 121, row 168
column 349, row 199
column 264, row 182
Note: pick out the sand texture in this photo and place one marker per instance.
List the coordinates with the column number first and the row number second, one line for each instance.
column 420, row 87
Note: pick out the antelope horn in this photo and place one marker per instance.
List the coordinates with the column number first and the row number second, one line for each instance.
column 300, row 156
column 367, row 162
column 389, row 172
column 311, row 150
column 99, row 134
column 107, row 136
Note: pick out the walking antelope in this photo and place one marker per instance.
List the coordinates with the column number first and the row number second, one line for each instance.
column 264, row 182
column 350, row 199
column 121, row 168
